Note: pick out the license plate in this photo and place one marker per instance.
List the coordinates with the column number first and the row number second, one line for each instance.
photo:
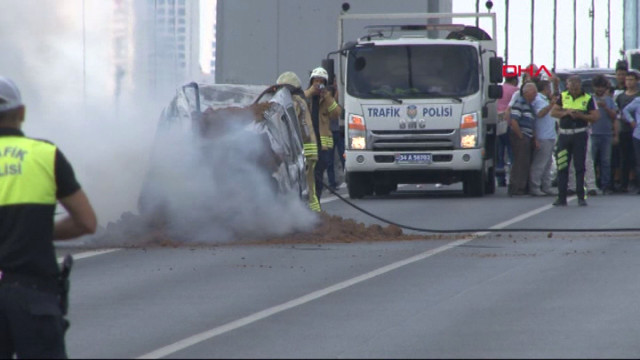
column 413, row 158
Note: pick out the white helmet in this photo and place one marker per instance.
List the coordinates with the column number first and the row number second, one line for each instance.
column 10, row 95
column 290, row 78
column 319, row 72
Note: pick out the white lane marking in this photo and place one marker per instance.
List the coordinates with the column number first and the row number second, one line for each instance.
column 528, row 214
column 195, row 339
column 209, row 334
column 88, row 254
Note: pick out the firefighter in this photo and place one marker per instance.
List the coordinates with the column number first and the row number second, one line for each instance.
column 309, row 145
column 34, row 175
column 323, row 108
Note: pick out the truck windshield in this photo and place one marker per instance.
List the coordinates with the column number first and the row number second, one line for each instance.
column 412, row 71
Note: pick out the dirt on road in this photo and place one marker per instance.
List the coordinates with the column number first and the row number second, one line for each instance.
column 135, row 231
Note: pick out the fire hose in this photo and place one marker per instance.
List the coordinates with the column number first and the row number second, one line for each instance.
column 473, row 230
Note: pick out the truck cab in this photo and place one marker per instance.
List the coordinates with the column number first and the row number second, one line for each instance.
column 420, row 108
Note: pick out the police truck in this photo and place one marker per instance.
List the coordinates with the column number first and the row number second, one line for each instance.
column 419, row 101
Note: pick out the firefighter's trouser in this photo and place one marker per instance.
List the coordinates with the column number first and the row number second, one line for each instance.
column 568, row 147
column 320, row 168
column 314, row 203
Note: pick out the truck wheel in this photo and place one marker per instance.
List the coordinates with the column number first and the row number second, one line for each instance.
column 490, row 184
column 382, row 189
column 368, row 185
column 474, row 183
column 491, row 145
column 356, row 185
column 394, row 187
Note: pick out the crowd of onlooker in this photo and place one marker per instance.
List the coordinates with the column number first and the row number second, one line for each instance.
column 544, row 133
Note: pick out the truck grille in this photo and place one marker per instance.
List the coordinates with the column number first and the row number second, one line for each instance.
column 408, row 140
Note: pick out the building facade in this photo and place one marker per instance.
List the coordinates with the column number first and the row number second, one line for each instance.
column 258, row 40
column 212, row 64
column 155, row 44
column 631, row 27
column 122, row 49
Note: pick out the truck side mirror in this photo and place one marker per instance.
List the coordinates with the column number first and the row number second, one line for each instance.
column 328, row 64
column 495, row 70
column 349, row 45
column 495, row 91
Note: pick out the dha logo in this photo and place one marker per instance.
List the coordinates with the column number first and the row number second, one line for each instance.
column 517, row 70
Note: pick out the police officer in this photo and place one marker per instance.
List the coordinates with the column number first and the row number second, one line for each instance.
column 576, row 110
column 34, row 175
column 309, row 142
column 323, row 108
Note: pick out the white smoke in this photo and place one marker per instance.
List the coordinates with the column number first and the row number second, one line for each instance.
column 67, row 78
column 214, row 192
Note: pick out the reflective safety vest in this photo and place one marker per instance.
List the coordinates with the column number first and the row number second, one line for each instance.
column 27, row 171
column 580, row 103
column 28, row 196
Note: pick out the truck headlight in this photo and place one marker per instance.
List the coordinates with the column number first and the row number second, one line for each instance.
column 469, row 130
column 357, row 142
column 357, row 132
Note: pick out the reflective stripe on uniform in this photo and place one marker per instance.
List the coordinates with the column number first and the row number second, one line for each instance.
column 310, row 149
column 326, row 141
column 27, row 171
column 314, row 204
column 332, row 106
column 561, row 159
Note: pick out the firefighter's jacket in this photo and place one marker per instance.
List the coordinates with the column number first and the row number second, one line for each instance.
column 306, row 127
column 310, row 147
column 328, row 109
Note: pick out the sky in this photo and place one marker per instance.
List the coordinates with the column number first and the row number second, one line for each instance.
column 520, row 31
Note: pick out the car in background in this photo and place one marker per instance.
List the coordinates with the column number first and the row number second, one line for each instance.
column 587, row 75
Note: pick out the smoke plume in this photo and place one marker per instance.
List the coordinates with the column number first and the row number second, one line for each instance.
column 62, row 62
